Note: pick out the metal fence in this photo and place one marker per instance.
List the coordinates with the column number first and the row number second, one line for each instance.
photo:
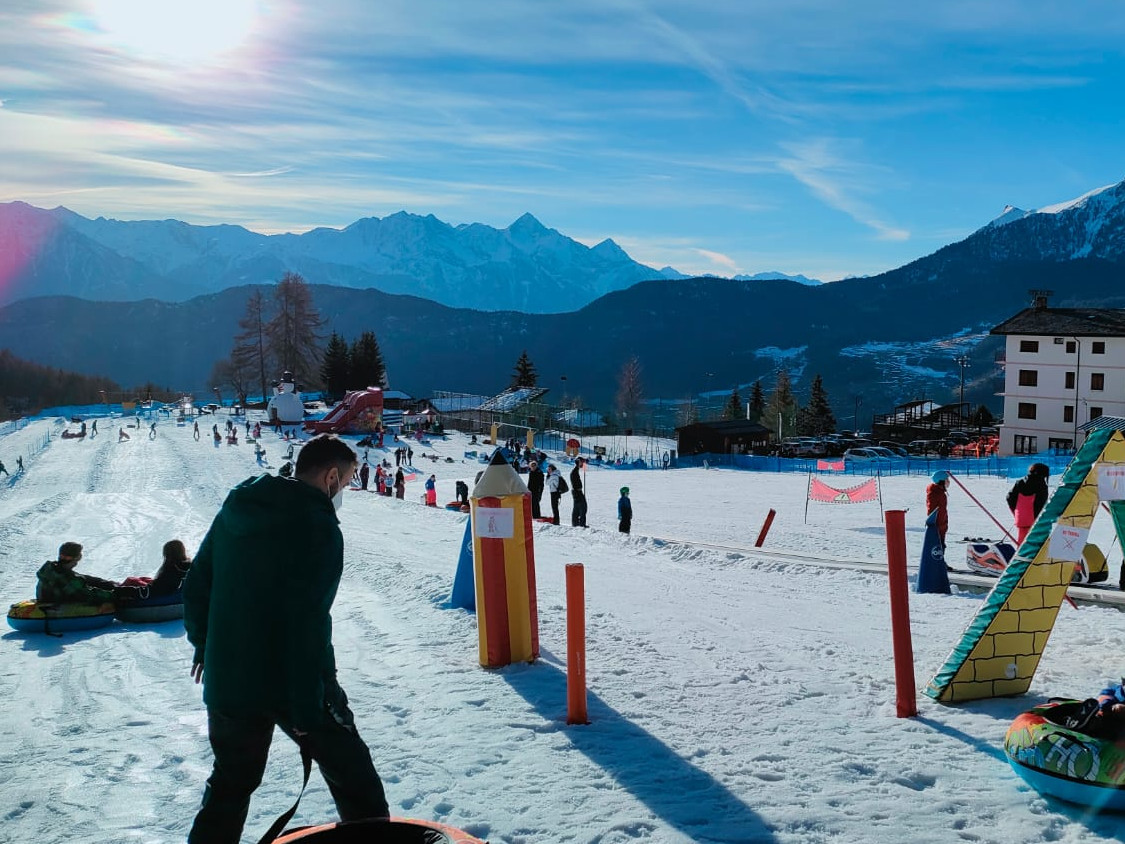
column 1002, row 467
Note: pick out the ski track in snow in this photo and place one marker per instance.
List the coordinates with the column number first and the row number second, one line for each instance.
column 731, row 698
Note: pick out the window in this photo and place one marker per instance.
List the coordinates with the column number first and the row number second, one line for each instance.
column 1070, row 347
column 1097, row 380
column 1029, row 345
column 1097, row 348
column 1025, row 445
column 1068, row 413
column 1026, row 410
column 1070, row 381
column 1056, row 445
column 1095, row 412
column 1029, row 377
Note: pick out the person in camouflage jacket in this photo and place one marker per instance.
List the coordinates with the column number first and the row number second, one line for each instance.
column 59, row 583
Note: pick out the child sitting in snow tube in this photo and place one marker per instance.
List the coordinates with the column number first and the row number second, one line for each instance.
column 158, row 598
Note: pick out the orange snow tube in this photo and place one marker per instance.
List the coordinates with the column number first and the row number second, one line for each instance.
column 393, row 831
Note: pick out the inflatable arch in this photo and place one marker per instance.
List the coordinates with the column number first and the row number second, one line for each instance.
column 1000, row 650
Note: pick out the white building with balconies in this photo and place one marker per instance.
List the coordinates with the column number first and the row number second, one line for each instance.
column 1062, row 368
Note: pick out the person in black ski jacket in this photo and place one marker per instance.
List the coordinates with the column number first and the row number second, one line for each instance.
column 257, row 603
column 1027, row 497
column 624, row 511
column 578, row 511
column 535, row 486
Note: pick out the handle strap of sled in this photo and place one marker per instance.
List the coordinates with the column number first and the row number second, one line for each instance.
column 279, row 824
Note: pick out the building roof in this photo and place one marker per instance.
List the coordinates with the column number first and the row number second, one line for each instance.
column 728, row 426
column 1065, row 322
column 1113, row 423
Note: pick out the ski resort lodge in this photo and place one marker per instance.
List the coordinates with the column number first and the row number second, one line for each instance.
column 1063, row 368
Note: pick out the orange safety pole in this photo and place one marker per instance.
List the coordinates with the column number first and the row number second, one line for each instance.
column 765, row 528
column 906, row 701
column 576, row 644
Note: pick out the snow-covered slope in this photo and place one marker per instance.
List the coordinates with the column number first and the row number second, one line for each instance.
column 733, row 698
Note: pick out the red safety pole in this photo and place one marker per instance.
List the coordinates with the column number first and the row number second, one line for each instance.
column 906, row 702
column 576, row 644
column 765, row 528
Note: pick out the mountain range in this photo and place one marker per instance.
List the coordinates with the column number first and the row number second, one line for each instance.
column 881, row 340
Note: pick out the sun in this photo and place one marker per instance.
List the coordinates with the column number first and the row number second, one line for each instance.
column 176, row 31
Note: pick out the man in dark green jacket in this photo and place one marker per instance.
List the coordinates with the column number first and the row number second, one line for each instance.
column 256, row 609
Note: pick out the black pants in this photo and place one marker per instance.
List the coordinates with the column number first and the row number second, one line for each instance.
column 241, row 746
column 625, row 524
column 535, row 511
column 555, row 496
column 578, row 513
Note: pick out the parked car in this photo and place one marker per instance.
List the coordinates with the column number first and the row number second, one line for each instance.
column 897, row 448
column 888, row 453
column 866, row 455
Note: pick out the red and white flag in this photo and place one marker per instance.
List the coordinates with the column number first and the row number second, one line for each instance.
column 830, row 465
column 825, row 494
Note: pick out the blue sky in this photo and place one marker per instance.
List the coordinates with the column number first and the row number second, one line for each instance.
column 733, row 136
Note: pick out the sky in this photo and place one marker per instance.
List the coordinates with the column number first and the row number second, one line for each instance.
column 735, row 136
column 732, row 696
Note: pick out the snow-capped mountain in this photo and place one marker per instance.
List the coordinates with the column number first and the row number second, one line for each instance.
column 526, row 266
column 776, row 276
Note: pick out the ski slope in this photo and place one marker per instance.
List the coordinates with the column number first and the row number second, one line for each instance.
column 732, row 699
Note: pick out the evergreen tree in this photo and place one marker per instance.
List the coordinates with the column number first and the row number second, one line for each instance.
column 757, row 402
column 292, row 334
column 816, row 418
column 733, row 410
column 524, row 374
column 336, row 367
column 249, row 350
column 630, row 393
column 982, row 417
column 781, row 405
column 367, row 369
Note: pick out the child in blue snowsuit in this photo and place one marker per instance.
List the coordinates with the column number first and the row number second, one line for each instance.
column 624, row 511
column 1103, row 716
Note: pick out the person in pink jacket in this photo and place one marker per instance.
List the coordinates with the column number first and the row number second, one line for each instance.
column 1027, row 498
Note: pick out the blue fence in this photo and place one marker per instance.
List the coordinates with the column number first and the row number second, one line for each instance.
column 1003, row 467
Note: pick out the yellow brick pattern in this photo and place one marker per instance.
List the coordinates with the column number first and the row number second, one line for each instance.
column 1007, row 654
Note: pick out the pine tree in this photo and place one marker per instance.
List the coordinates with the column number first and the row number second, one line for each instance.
column 816, row 418
column 687, row 414
column 757, row 402
column 733, row 410
column 293, row 333
column 336, row 368
column 367, row 369
column 524, row 374
column 781, row 405
column 630, row 393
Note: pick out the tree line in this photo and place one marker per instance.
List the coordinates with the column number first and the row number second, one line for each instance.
column 26, row 388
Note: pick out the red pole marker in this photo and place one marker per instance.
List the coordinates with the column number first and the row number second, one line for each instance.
column 906, row 702
column 765, row 528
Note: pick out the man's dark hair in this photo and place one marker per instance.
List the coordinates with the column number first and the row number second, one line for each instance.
column 324, row 452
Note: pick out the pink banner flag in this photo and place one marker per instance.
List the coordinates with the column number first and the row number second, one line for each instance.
column 830, row 465
column 825, row 494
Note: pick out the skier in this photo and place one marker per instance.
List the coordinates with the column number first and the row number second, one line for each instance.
column 1027, row 497
column 152, row 431
column 195, row 430
column 624, row 511
column 556, row 486
column 364, row 474
column 4, row 469
column 938, row 499
column 93, row 429
column 578, row 511
column 19, row 464
column 535, row 486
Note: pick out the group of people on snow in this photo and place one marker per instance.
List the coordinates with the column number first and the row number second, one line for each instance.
column 58, row 582
column 1025, row 500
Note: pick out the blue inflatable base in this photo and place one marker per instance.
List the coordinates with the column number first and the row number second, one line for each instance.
column 1098, row 796
column 61, row 625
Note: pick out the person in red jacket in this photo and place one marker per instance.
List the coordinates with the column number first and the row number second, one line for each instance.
column 937, row 499
column 1027, row 498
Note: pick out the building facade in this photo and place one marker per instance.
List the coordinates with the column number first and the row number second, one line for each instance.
column 1062, row 368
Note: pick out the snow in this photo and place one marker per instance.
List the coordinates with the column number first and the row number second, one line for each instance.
column 733, row 696
column 1073, row 203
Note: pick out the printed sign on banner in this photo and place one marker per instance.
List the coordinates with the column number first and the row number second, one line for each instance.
column 1067, row 542
column 1111, row 481
column 495, row 523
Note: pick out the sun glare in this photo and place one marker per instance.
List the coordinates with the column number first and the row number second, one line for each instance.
column 176, row 31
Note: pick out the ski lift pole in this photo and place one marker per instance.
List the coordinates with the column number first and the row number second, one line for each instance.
column 1003, row 529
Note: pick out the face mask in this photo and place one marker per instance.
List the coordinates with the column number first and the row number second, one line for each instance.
column 337, row 497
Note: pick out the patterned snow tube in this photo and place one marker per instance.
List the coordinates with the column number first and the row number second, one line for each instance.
column 393, row 831
column 1066, row 764
column 151, row 610
column 31, row 617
